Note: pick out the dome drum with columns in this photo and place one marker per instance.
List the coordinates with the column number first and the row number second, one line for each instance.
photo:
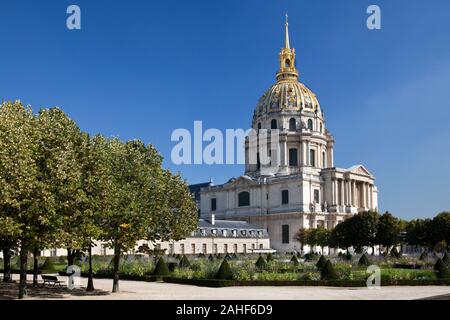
column 306, row 190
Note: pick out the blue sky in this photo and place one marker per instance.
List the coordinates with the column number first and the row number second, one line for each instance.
column 140, row 69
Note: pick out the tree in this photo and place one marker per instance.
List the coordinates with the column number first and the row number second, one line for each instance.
column 440, row 228
column 363, row 229
column 23, row 194
column 340, row 236
column 388, row 230
column 418, row 233
column 300, row 236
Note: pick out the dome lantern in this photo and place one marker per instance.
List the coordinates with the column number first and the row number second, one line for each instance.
column 287, row 59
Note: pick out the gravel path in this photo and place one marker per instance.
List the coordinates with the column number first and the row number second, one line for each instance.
column 137, row 290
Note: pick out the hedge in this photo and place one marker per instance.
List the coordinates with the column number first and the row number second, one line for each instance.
column 216, row 283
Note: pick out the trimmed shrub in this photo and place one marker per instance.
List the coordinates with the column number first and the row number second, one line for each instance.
column 441, row 269
column 423, row 255
column 224, row 272
column 184, row 262
column 348, row 256
column 321, row 262
column 211, row 257
column 328, row 272
column 394, row 253
column 294, row 260
column 178, row 257
column 364, row 260
column 261, row 263
column 269, row 257
column 445, row 258
column 161, row 268
column 48, row 265
column 227, row 257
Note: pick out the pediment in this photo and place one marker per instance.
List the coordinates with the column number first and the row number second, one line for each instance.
column 241, row 181
column 360, row 169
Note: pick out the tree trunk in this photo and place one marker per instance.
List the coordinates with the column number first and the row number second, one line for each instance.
column 6, row 264
column 70, row 256
column 116, row 269
column 90, row 286
column 35, row 266
column 23, row 271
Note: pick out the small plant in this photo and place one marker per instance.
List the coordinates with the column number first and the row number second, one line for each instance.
column 423, row 255
column 364, row 260
column 261, row 263
column 328, row 272
column 441, row 269
column 348, row 256
column 48, row 265
column 445, row 258
column 211, row 257
column 269, row 257
column 394, row 253
column 184, row 262
column 294, row 260
column 224, row 272
column 161, row 268
column 321, row 262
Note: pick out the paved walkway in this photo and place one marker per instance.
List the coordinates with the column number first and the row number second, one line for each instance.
column 138, row 290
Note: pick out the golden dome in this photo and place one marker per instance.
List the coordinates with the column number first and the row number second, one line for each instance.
column 288, row 94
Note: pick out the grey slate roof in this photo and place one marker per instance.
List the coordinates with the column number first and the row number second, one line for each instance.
column 225, row 228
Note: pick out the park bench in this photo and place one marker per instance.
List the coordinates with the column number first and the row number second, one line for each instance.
column 51, row 280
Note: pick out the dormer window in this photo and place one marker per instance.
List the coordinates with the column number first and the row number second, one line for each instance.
column 234, row 233
column 214, row 231
column 224, row 232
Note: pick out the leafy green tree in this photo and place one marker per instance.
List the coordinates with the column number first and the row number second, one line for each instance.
column 25, row 201
column 388, row 230
column 418, row 233
column 340, row 236
column 440, row 228
column 300, row 236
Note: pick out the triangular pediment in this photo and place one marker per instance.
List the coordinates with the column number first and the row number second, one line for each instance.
column 359, row 169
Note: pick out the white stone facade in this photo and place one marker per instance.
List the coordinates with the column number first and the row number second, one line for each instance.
column 305, row 190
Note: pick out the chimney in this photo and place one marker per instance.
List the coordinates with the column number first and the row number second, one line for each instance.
column 213, row 219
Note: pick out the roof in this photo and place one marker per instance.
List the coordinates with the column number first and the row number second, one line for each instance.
column 243, row 229
column 195, row 189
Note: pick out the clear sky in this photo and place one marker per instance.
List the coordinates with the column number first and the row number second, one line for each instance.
column 140, row 69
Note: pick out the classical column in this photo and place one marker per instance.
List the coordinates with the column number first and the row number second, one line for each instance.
column 308, row 152
column 304, row 155
column 342, row 191
column 333, row 194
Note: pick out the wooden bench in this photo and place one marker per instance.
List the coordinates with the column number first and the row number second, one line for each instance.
column 51, row 280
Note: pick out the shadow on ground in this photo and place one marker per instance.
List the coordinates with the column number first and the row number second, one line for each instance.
column 10, row 290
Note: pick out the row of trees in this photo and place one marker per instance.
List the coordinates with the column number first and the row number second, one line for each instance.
column 368, row 229
column 59, row 187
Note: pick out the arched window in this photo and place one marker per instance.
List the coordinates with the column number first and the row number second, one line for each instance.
column 323, row 160
column 310, row 124
column 258, row 162
column 292, row 125
column 321, row 128
column 287, row 63
column 273, row 124
column 244, row 199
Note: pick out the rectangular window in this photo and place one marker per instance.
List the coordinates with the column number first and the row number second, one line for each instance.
column 182, row 248
column 244, row 248
column 170, row 248
column 235, row 248
column 285, row 233
column 213, row 204
column 225, row 248
column 261, row 246
column 316, row 196
column 284, row 197
column 312, row 157
column 193, row 248
column 215, row 248
column 204, row 248
column 293, row 158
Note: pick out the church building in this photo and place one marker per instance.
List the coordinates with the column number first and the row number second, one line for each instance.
column 306, row 190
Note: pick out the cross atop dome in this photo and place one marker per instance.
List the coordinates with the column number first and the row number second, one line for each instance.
column 287, row 71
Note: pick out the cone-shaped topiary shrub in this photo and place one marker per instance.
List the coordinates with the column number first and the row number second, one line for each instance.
column 445, row 258
column 261, row 263
column 224, row 272
column 294, row 260
column 227, row 257
column 178, row 257
column 364, row 260
column 269, row 257
column 423, row 255
column 394, row 253
column 161, row 268
column 321, row 262
column 211, row 257
column 328, row 272
column 184, row 262
column 441, row 269
column 348, row 256
column 48, row 265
